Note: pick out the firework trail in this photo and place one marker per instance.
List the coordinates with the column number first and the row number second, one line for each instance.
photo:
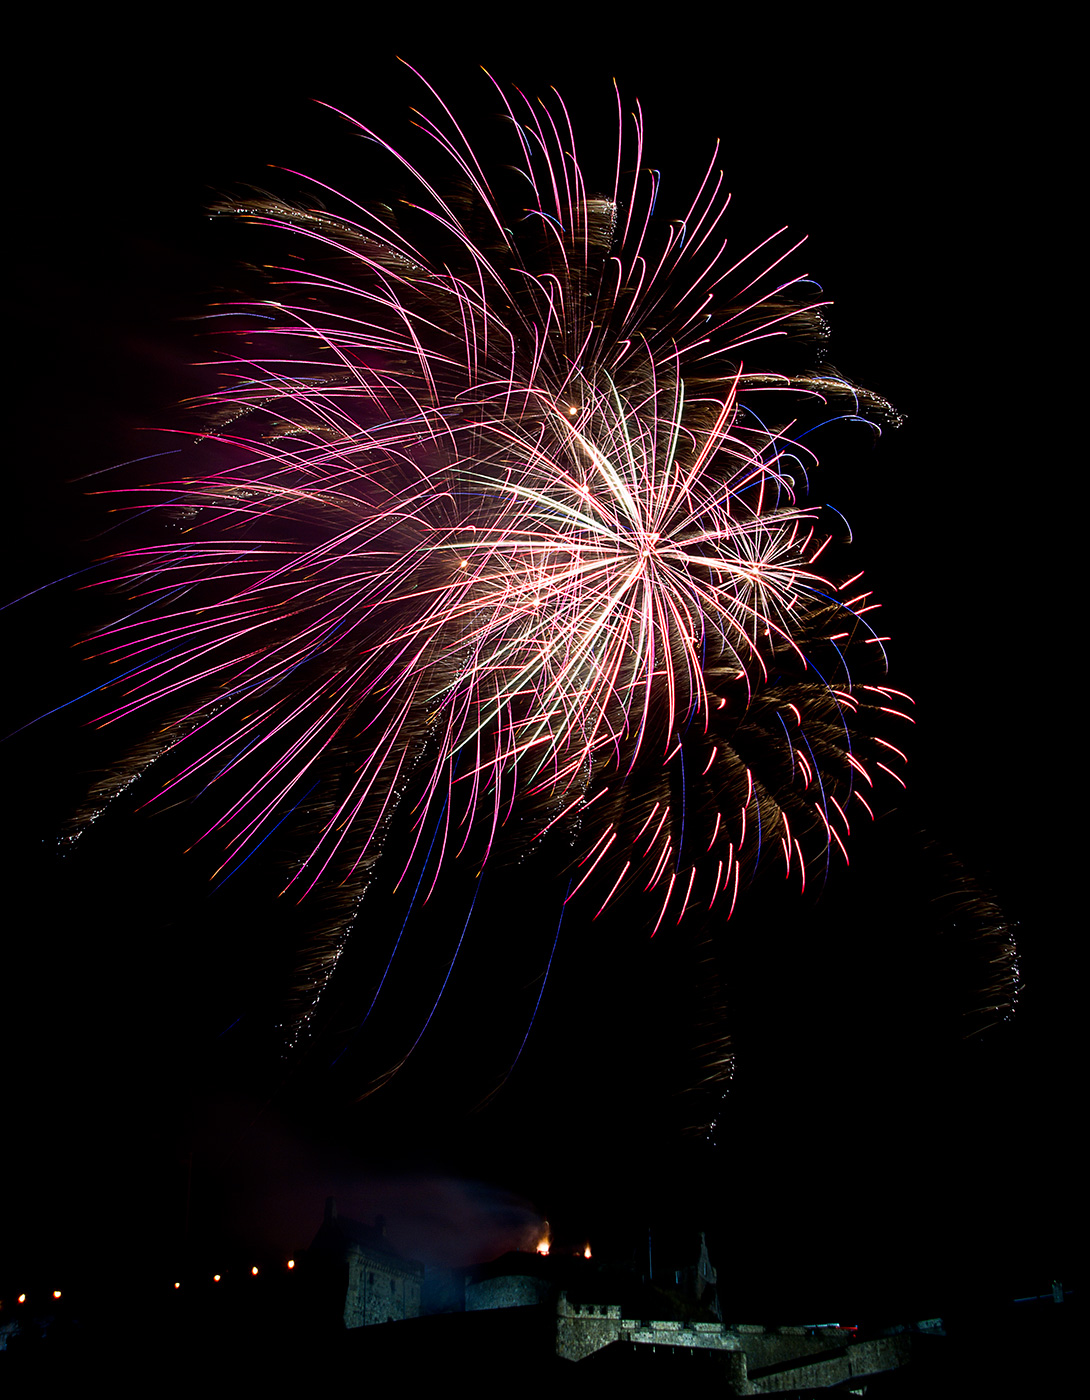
column 505, row 549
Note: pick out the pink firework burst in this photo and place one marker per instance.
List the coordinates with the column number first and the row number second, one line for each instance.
column 506, row 547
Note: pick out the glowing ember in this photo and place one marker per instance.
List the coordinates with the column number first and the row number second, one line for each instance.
column 586, row 1252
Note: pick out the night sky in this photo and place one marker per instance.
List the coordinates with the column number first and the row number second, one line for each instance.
column 867, row 1156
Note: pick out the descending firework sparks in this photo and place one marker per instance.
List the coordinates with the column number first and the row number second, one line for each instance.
column 506, row 542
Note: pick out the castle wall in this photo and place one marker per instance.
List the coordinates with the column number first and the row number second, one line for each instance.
column 506, row 1291
column 380, row 1290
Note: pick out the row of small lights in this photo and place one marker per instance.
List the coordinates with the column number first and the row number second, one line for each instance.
column 254, row 1271
column 216, row 1278
column 542, row 1248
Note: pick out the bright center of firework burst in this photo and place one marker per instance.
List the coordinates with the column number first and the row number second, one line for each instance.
column 614, row 558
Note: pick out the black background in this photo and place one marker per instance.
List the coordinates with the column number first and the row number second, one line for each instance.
column 866, row 1157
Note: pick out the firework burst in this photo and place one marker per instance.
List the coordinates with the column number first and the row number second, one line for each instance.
column 506, row 546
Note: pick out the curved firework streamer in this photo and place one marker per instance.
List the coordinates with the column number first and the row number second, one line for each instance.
column 506, row 544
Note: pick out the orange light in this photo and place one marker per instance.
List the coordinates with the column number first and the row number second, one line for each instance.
column 586, row 1252
column 21, row 1298
column 56, row 1293
column 291, row 1263
column 543, row 1245
column 177, row 1285
column 254, row 1271
column 215, row 1278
